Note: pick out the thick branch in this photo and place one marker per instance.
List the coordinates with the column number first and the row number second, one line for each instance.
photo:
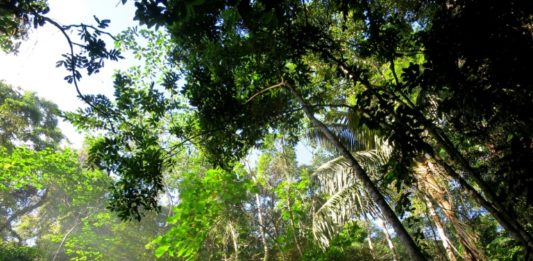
column 25, row 210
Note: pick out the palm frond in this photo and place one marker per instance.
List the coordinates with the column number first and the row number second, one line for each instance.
column 347, row 199
column 354, row 141
column 348, row 204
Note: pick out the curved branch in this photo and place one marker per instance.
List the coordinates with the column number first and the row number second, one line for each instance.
column 73, row 69
column 265, row 90
column 64, row 239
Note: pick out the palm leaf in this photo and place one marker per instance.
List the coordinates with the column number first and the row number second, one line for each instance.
column 351, row 133
column 347, row 199
column 354, row 141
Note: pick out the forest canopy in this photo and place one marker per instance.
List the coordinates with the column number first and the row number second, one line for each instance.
column 418, row 113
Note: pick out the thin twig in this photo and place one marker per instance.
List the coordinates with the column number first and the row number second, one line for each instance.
column 73, row 70
column 64, row 239
column 67, row 27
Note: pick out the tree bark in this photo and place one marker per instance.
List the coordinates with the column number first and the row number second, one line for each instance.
column 383, row 227
column 294, row 231
column 491, row 202
column 261, row 227
column 16, row 235
column 64, row 239
column 510, row 225
column 234, row 239
column 369, row 231
column 414, row 251
column 289, row 205
column 440, row 229
column 467, row 237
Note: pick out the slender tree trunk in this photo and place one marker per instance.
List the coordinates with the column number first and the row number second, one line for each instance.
column 383, row 227
column 16, row 235
column 260, row 217
column 234, row 238
column 289, row 204
column 440, row 229
column 370, row 246
column 369, row 237
column 410, row 245
column 467, row 237
column 436, row 239
column 64, row 239
column 294, row 236
column 261, row 227
column 491, row 203
column 225, row 247
column 275, row 226
column 515, row 230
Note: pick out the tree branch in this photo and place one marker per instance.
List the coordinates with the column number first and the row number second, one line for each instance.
column 73, row 70
column 25, row 210
column 265, row 90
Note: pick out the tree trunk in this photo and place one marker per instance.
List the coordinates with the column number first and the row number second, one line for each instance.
column 467, row 237
column 369, row 231
column 16, row 235
column 234, row 238
column 289, row 205
column 64, row 239
column 383, row 227
column 410, row 245
column 440, row 229
column 294, row 231
column 515, row 229
column 491, row 203
column 261, row 227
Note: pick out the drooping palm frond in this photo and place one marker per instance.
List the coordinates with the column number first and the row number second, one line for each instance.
column 363, row 139
column 348, row 204
column 347, row 199
column 370, row 160
column 346, row 126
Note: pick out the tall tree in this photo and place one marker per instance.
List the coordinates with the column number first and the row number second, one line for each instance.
column 26, row 119
column 478, row 77
column 29, row 137
column 431, row 187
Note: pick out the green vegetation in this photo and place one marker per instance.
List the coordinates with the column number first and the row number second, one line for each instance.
column 417, row 113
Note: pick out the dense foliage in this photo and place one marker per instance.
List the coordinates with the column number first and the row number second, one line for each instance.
column 52, row 207
column 417, row 110
column 16, row 19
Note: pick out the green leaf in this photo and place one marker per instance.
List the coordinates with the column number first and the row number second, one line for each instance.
column 291, row 67
column 161, row 250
